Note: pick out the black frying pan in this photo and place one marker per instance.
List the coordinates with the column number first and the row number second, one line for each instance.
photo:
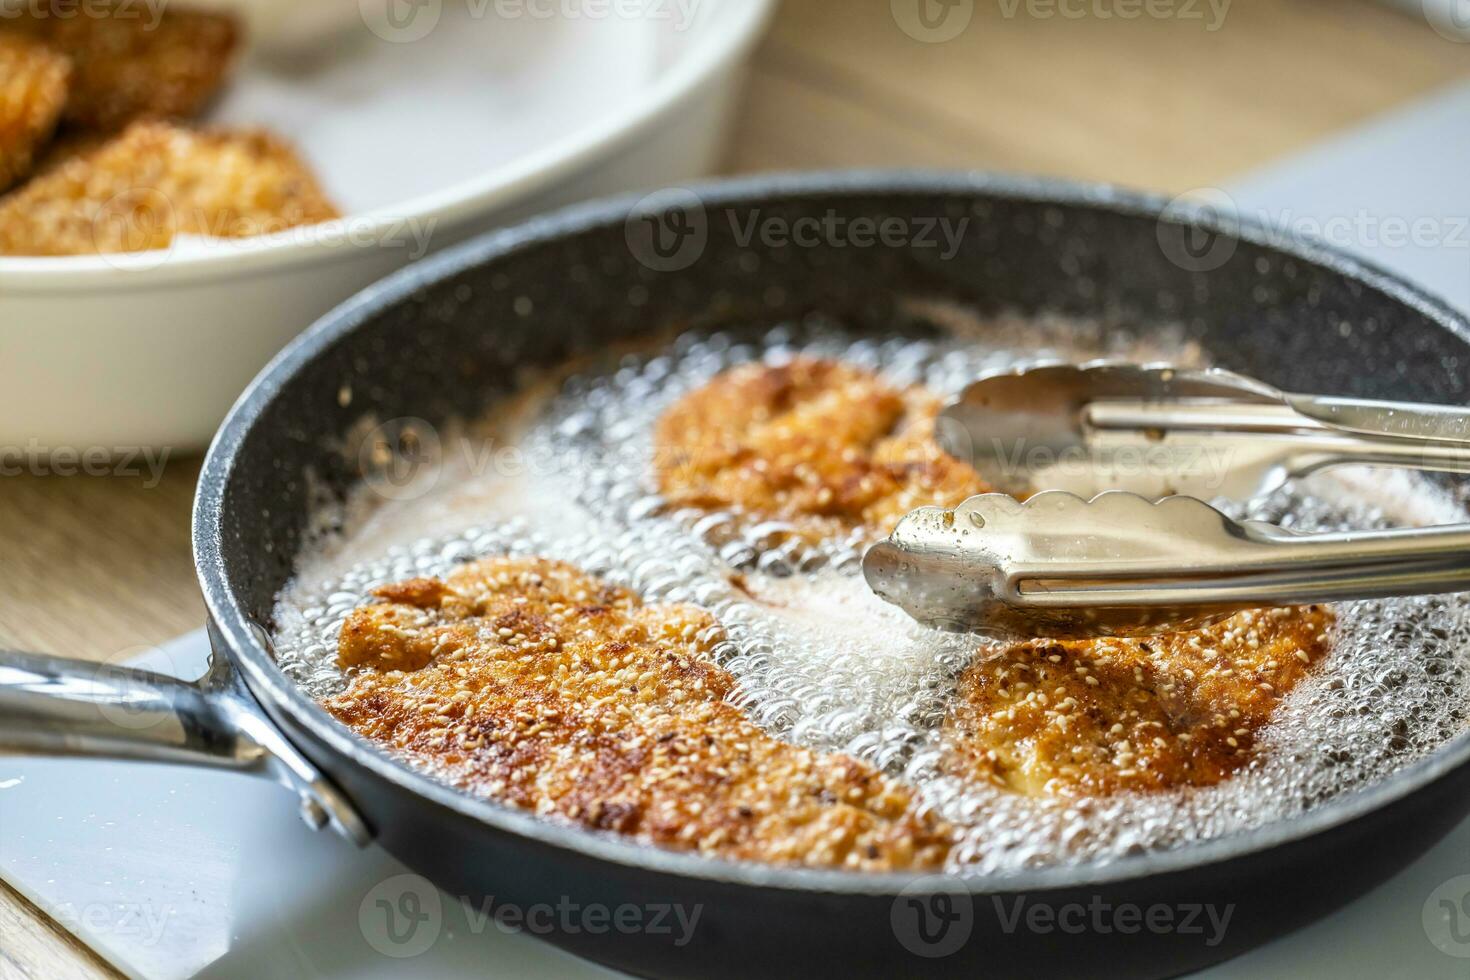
column 441, row 339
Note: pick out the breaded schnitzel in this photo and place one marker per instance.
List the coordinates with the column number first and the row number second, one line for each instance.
column 823, row 444
column 1088, row 718
column 529, row 682
column 33, row 81
column 136, row 192
column 131, row 63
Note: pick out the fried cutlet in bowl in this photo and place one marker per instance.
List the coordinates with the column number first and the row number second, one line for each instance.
column 132, row 61
column 154, row 182
column 33, row 87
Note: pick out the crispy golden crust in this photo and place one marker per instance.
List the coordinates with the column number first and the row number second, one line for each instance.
column 529, row 682
column 1088, row 718
column 155, row 181
column 33, row 81
column 825, row 445
column 127, row 65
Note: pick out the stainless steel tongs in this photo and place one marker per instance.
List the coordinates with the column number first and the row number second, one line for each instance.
column 1062, row 565
column 1159, row 430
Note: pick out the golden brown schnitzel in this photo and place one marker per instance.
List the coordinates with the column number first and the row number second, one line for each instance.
column 33, row 81
column 825, row 445
column 155, row 181
column 1088, row 718
column 129, row 61
column 529, row 682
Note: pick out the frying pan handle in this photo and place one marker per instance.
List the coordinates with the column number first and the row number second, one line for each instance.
column 55, row 706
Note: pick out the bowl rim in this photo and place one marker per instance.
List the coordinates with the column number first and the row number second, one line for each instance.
column 281, row 695
column 719, row 47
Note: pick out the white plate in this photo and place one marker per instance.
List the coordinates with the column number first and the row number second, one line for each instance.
column 452, row 118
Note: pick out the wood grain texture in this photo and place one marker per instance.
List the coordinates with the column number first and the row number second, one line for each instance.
column 96, row 566
column 32, row 947
column 1165, row 104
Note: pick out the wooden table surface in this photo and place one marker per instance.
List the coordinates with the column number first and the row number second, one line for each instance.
column 95, row 566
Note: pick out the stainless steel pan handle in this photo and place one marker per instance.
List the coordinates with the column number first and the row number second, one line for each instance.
column 56, row 706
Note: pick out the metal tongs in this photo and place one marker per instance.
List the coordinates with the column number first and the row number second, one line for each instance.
column 1127, row 562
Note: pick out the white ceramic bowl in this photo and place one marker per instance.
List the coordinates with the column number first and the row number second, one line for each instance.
column 424, row 137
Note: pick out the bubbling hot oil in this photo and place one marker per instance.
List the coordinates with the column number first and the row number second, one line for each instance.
column 824, row 663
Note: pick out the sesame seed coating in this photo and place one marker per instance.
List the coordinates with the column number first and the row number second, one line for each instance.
column 529, row 682
column 33, row 81
column 129, row 62
column 154, row 181
column 1093, row 717
column 817, row 442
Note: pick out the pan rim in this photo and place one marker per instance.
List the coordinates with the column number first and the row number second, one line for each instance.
column 267, row 681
